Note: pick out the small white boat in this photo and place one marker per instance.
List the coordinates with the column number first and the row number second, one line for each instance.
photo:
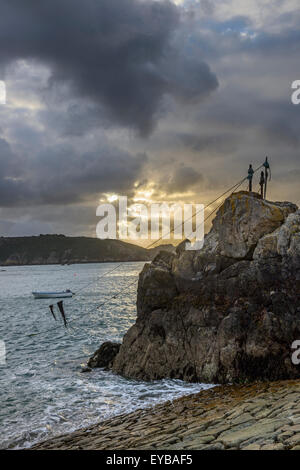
column 53, row 295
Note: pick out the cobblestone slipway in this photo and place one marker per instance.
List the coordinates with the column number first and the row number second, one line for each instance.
column 261, row 416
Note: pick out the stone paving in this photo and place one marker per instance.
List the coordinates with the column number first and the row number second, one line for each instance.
column 261, row 416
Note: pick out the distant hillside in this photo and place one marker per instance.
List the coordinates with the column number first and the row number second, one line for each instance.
column 59, row 249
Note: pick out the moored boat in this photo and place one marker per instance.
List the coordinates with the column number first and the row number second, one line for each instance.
column 53, row 295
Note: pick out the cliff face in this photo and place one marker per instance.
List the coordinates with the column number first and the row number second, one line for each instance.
column 227, row 313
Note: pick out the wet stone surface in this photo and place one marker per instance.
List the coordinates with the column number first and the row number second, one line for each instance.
column 261, row 416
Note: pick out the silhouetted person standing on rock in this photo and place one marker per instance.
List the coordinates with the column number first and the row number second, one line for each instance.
column 250, row 177
column 267, row 172
column 262, row 184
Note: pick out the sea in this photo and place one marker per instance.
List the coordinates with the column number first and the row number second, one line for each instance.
column 43, row 391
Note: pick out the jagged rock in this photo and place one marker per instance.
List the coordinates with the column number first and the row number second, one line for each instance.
column 104, row 356
column 182, row 246
column 227, row 313
column 183, row 265
column 285, row 241
column 242, row 220
column 156, row 285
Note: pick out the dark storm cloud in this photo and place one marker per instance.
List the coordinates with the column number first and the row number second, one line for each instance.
column 61, row 175
column 116, row 53
column 182, row 180
column 6, row 159
column 276, row 122
column 130, row 63
column 76, row 119
column 282, row 131
column 224, row 143
column 72, row 220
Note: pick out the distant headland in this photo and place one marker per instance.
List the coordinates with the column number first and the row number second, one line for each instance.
column 59, row 249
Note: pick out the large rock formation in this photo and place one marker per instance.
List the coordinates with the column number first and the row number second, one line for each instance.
column 227, row 313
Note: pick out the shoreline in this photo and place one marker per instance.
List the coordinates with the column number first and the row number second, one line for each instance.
column 75, row 263
column 259, row 416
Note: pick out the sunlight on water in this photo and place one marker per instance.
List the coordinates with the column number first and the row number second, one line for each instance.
column 42, row 390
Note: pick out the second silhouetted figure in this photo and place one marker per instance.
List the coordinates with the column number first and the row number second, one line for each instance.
column 250, row 177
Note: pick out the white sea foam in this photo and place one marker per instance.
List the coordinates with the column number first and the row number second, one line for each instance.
column 42, row 390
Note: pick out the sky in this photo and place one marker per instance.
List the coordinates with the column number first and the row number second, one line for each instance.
column 159, row 101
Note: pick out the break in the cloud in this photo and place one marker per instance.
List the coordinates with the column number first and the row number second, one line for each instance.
column 153, row 99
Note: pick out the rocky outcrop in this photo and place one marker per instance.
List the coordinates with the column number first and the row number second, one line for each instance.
column 227, row 313
column 242, row 221
column 104, row 356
